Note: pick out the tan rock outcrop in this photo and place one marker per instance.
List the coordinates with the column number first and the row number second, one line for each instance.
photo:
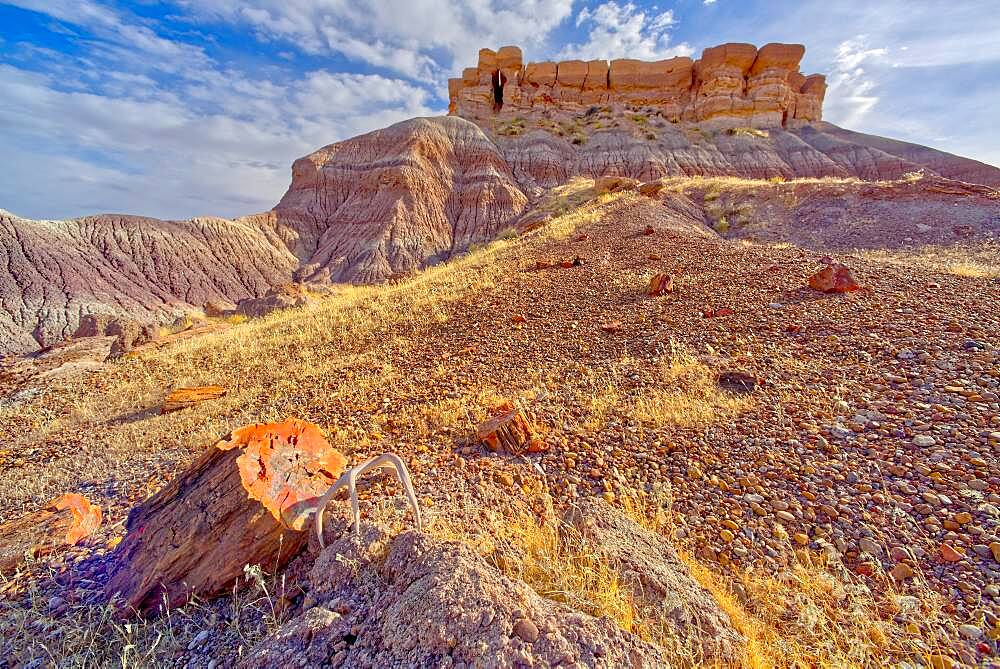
column 729, row 86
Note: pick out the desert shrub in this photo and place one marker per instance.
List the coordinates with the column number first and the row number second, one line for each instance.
column 747, row 132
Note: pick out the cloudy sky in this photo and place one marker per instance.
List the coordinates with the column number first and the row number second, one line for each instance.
column 175, row 108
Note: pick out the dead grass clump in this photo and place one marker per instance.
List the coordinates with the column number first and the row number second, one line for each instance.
column 974, row 270
column 748, row 132
column 590, row 212
column 689, row 396
column 82, row 634
column 816, row 614
column 980, row 261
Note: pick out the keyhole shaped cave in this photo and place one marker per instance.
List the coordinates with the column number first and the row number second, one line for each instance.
column 499, row 81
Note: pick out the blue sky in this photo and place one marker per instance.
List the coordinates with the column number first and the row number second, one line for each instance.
column 198, row 107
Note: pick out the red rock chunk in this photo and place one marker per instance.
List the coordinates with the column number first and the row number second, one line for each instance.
column 834, row 278
column 64, row 521
column 511, row 431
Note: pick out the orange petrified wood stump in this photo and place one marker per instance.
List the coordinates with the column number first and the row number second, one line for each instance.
column 510, row 431
column 246, row 500
column 64, row 521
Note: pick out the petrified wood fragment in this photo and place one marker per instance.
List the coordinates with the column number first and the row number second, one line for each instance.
column 64, row 521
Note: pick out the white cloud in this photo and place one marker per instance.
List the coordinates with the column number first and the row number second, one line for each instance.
column 850, row 96
column 625, row 31
column 421, row 39
column 87, row 140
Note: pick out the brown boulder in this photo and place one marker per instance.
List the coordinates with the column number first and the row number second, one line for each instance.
column 246, row 500
column 661, row 284
column 216, row 308
column 834, row 278
column 65, row 521
column 614, row 184
column 285, row 296
column 128, row 333
column 651, row 188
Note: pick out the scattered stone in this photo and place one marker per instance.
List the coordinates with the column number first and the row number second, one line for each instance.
column 950, row 553
column 661, row 284
column 526, row 630
column 834, row 278
column 611, row 326
column 901, row 572
column 510, row 431
column 924, row 440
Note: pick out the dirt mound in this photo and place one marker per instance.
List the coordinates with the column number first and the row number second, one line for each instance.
column 416, row 601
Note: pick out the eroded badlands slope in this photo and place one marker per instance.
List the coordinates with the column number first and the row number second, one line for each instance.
column 54, row 272
column 399, row 199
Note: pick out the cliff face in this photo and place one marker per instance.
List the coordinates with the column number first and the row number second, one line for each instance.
column 731, row 85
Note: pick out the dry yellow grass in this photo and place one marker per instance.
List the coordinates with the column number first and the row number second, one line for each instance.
column 689, row 397
column 685, row 394
column 814, row 614
column 981, row 261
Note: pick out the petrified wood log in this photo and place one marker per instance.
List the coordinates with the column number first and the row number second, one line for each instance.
column 64, row 521
column 182, row 398
column 510, row 431
column 246, row 500
column 661, row 284
column 835, row 278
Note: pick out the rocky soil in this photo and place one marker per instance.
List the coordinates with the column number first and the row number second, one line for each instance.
column 866, row 427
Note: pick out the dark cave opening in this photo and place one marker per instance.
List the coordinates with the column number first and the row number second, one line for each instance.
column 499, row 81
